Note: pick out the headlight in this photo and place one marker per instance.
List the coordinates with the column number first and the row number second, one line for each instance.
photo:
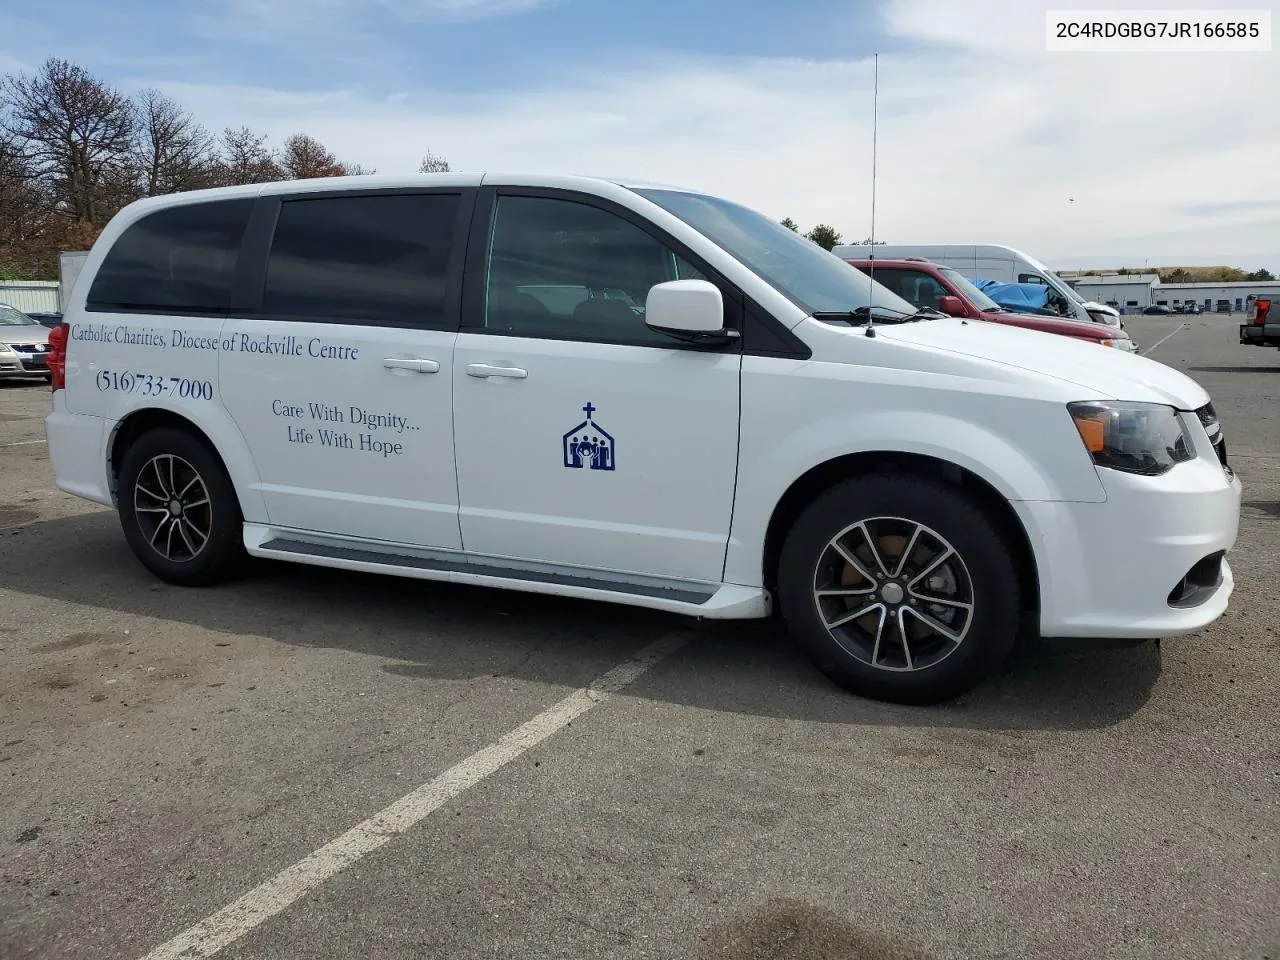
column 5, row 348
column 1145, row 438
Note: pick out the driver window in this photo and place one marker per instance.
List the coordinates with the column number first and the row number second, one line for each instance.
column 926, row 292
column 563, row 270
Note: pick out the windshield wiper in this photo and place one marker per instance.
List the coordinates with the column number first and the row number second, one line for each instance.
column 861, row 315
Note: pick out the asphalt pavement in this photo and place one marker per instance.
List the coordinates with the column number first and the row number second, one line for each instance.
column 316, row 764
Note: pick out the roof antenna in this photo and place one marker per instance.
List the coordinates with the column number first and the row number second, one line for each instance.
column 875, row 118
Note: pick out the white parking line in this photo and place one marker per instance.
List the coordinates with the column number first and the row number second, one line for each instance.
column 1147, row 352
column 21, row 443
column 289, row 885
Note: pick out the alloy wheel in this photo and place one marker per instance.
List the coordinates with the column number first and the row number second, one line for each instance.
column 894, row 594
column 172, row 504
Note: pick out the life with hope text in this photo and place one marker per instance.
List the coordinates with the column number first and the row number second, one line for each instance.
column 320, row 424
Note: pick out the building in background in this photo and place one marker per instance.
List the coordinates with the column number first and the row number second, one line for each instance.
column 1133, row 291
column 31, row 296
column 1128, row 291
column 1210, row 295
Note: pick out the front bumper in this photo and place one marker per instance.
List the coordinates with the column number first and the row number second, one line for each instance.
column 33, row 359
column 1149, row 562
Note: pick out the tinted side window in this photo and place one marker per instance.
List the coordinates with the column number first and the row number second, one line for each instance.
column 926, row 290
column 570, row 271
column 180, row 259
column 380, row 260
column 895, row 280
column 917, row 288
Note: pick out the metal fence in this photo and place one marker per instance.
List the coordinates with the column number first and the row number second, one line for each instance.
column 30, row 296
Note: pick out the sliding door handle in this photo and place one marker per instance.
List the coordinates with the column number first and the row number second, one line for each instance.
column 416, row 364
column 486, row 370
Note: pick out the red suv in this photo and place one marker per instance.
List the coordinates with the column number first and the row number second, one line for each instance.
column 927, row 284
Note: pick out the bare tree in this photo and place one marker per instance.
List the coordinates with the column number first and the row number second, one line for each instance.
column 304, row 157
column 24, row 211
column 77, row 133
column 245, row 159
column 173, row 152
column 433, row 164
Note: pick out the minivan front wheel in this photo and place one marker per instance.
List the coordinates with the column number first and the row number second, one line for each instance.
column 899, row 588
column 178, row 509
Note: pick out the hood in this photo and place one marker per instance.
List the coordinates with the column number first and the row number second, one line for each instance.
column 1064, row 326
column 23, row 333
column 1101, row 374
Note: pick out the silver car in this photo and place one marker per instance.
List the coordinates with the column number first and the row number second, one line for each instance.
column 24, row 345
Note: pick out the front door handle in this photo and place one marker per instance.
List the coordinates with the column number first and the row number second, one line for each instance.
column 416, row 364
column 485, row 370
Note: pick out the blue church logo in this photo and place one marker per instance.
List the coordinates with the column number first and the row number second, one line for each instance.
column 587, row 445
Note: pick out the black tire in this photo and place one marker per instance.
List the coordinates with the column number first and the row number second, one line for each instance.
column 221, row 554
column 984, row 577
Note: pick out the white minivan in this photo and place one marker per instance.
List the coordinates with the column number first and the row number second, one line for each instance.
column 628, row 393
column 991, row 261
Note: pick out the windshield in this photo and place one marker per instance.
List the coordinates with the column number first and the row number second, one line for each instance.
column 1053, row 279
column 813, row 279
column 974, row 295
column 14, row 318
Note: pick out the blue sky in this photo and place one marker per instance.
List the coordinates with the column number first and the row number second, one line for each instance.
column 983, row 134
column 387, row 46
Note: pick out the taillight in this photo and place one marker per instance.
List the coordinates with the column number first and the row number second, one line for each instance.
column 58, row 356
column 1258, row 312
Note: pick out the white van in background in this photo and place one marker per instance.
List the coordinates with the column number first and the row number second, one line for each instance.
column 988, row 261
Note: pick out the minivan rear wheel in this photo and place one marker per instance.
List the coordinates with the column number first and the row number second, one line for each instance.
column 899, row 588
column 179, row 509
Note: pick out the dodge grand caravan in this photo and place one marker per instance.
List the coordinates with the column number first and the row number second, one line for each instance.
column 629, row 393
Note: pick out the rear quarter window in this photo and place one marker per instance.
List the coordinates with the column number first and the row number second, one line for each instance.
column 382, row 260
column 176, row 260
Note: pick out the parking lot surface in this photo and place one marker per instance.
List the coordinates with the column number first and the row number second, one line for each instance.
column 165, row 752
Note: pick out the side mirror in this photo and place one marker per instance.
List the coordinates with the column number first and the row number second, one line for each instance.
column 690, row 310
column 952, row 306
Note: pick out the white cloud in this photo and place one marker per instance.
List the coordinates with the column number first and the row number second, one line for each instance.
column 983, row 135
